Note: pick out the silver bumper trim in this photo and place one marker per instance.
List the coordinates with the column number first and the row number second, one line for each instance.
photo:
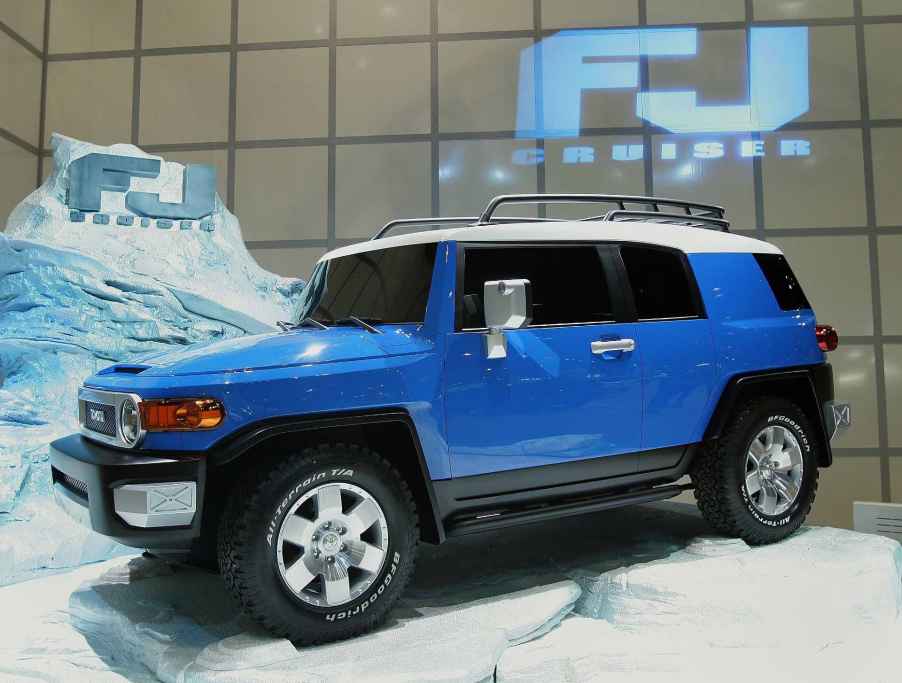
column 171, row 503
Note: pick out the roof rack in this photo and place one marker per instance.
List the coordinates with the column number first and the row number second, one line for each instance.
column 649, row 208
column 454, row 220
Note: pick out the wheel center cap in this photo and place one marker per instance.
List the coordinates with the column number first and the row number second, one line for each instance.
column 330, row 543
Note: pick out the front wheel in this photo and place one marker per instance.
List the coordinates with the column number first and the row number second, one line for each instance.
column 320, row 546
column 759, row 480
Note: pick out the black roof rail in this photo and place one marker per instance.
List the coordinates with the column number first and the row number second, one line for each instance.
column 668, row 218
column 456, row 220
column 692, row 213
column 444, row 220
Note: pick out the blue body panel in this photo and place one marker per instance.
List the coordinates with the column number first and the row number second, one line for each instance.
column 408, row 379
column 678, row 374
column 550, row 401
column 750, row 331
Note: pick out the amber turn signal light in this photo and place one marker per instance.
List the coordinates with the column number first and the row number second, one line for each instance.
column 181, row 414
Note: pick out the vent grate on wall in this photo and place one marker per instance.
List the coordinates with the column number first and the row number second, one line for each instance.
column 884, row 519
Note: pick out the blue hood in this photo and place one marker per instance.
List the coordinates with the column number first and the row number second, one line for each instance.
column 277, row 350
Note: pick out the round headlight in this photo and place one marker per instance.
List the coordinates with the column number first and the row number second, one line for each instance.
column 129, row 422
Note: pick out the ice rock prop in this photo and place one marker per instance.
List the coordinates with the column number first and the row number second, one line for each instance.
column 823, row 605
column 97, row 266
column 146, row 616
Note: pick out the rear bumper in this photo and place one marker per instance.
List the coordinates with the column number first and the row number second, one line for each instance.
column 836, row 414
column 143, row 500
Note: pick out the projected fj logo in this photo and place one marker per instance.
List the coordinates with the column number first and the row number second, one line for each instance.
column 571, row 62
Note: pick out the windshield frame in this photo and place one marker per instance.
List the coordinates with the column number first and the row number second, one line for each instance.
column 311, row 296
column 308, row 298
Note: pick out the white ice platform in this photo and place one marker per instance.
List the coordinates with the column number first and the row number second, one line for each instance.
column 628, row 595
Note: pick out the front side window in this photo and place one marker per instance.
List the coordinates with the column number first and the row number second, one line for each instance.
column 381, row 286
column 660, row 283
column 568, row 282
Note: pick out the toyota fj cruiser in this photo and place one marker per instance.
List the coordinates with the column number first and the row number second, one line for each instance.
column 482, row 373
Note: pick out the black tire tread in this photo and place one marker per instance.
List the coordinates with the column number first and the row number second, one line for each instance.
column 715, row 499
column 237, row 525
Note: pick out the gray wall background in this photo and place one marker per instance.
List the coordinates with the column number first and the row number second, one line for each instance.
column 325, row 118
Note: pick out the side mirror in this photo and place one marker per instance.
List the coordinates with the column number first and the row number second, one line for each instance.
column 508, row 306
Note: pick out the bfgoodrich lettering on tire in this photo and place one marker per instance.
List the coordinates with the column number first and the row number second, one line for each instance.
column 759, row 480
column 319, row 546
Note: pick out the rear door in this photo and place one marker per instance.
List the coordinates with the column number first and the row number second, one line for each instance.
column 554, row 399
column 678, row 356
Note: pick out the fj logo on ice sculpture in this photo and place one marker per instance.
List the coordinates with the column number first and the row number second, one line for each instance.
column 568, row 63
column 94, row 174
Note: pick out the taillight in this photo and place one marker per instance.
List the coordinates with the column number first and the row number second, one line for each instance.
column 827, row 338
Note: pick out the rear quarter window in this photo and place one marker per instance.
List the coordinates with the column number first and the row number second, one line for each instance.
column 782, row 281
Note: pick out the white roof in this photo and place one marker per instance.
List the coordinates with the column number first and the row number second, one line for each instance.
column 686, row 239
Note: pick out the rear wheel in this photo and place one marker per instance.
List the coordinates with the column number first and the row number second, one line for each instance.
column 320, row 546
column 759, row 480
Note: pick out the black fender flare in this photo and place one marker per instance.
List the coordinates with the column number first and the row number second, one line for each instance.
column 812, row 387
column 233, row 447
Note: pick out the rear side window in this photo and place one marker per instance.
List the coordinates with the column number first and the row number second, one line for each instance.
column 783, row 283
column 660, row 283
column 568, row 283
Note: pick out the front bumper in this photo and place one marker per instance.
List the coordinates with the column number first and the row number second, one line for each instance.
column 143, row 500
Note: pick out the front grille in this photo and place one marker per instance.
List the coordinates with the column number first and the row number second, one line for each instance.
column 100, row 417
column 76, row 486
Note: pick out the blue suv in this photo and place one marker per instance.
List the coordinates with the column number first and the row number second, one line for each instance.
column 477, row 374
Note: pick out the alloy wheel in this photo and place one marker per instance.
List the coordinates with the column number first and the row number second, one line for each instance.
column 773, row 470
column 332, row 544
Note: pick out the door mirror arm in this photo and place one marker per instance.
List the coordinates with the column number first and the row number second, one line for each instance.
column 508, row 306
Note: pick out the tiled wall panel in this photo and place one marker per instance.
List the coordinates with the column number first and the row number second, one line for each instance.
column 327, row 118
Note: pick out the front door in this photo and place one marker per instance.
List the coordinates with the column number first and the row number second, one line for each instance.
column 558, row 396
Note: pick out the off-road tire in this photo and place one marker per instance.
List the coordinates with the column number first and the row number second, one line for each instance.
column 718, row 473
column 248, row 531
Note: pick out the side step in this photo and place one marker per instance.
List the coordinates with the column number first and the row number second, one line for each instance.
column 489, row 520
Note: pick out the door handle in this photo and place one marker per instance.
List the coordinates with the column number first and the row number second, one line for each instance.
column 599, row 347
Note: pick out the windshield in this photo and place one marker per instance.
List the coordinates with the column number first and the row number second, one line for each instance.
column 381, row 286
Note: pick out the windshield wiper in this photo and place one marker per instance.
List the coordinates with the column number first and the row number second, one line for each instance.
column 354, row 320
column 306, row 322
column 312, row 322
